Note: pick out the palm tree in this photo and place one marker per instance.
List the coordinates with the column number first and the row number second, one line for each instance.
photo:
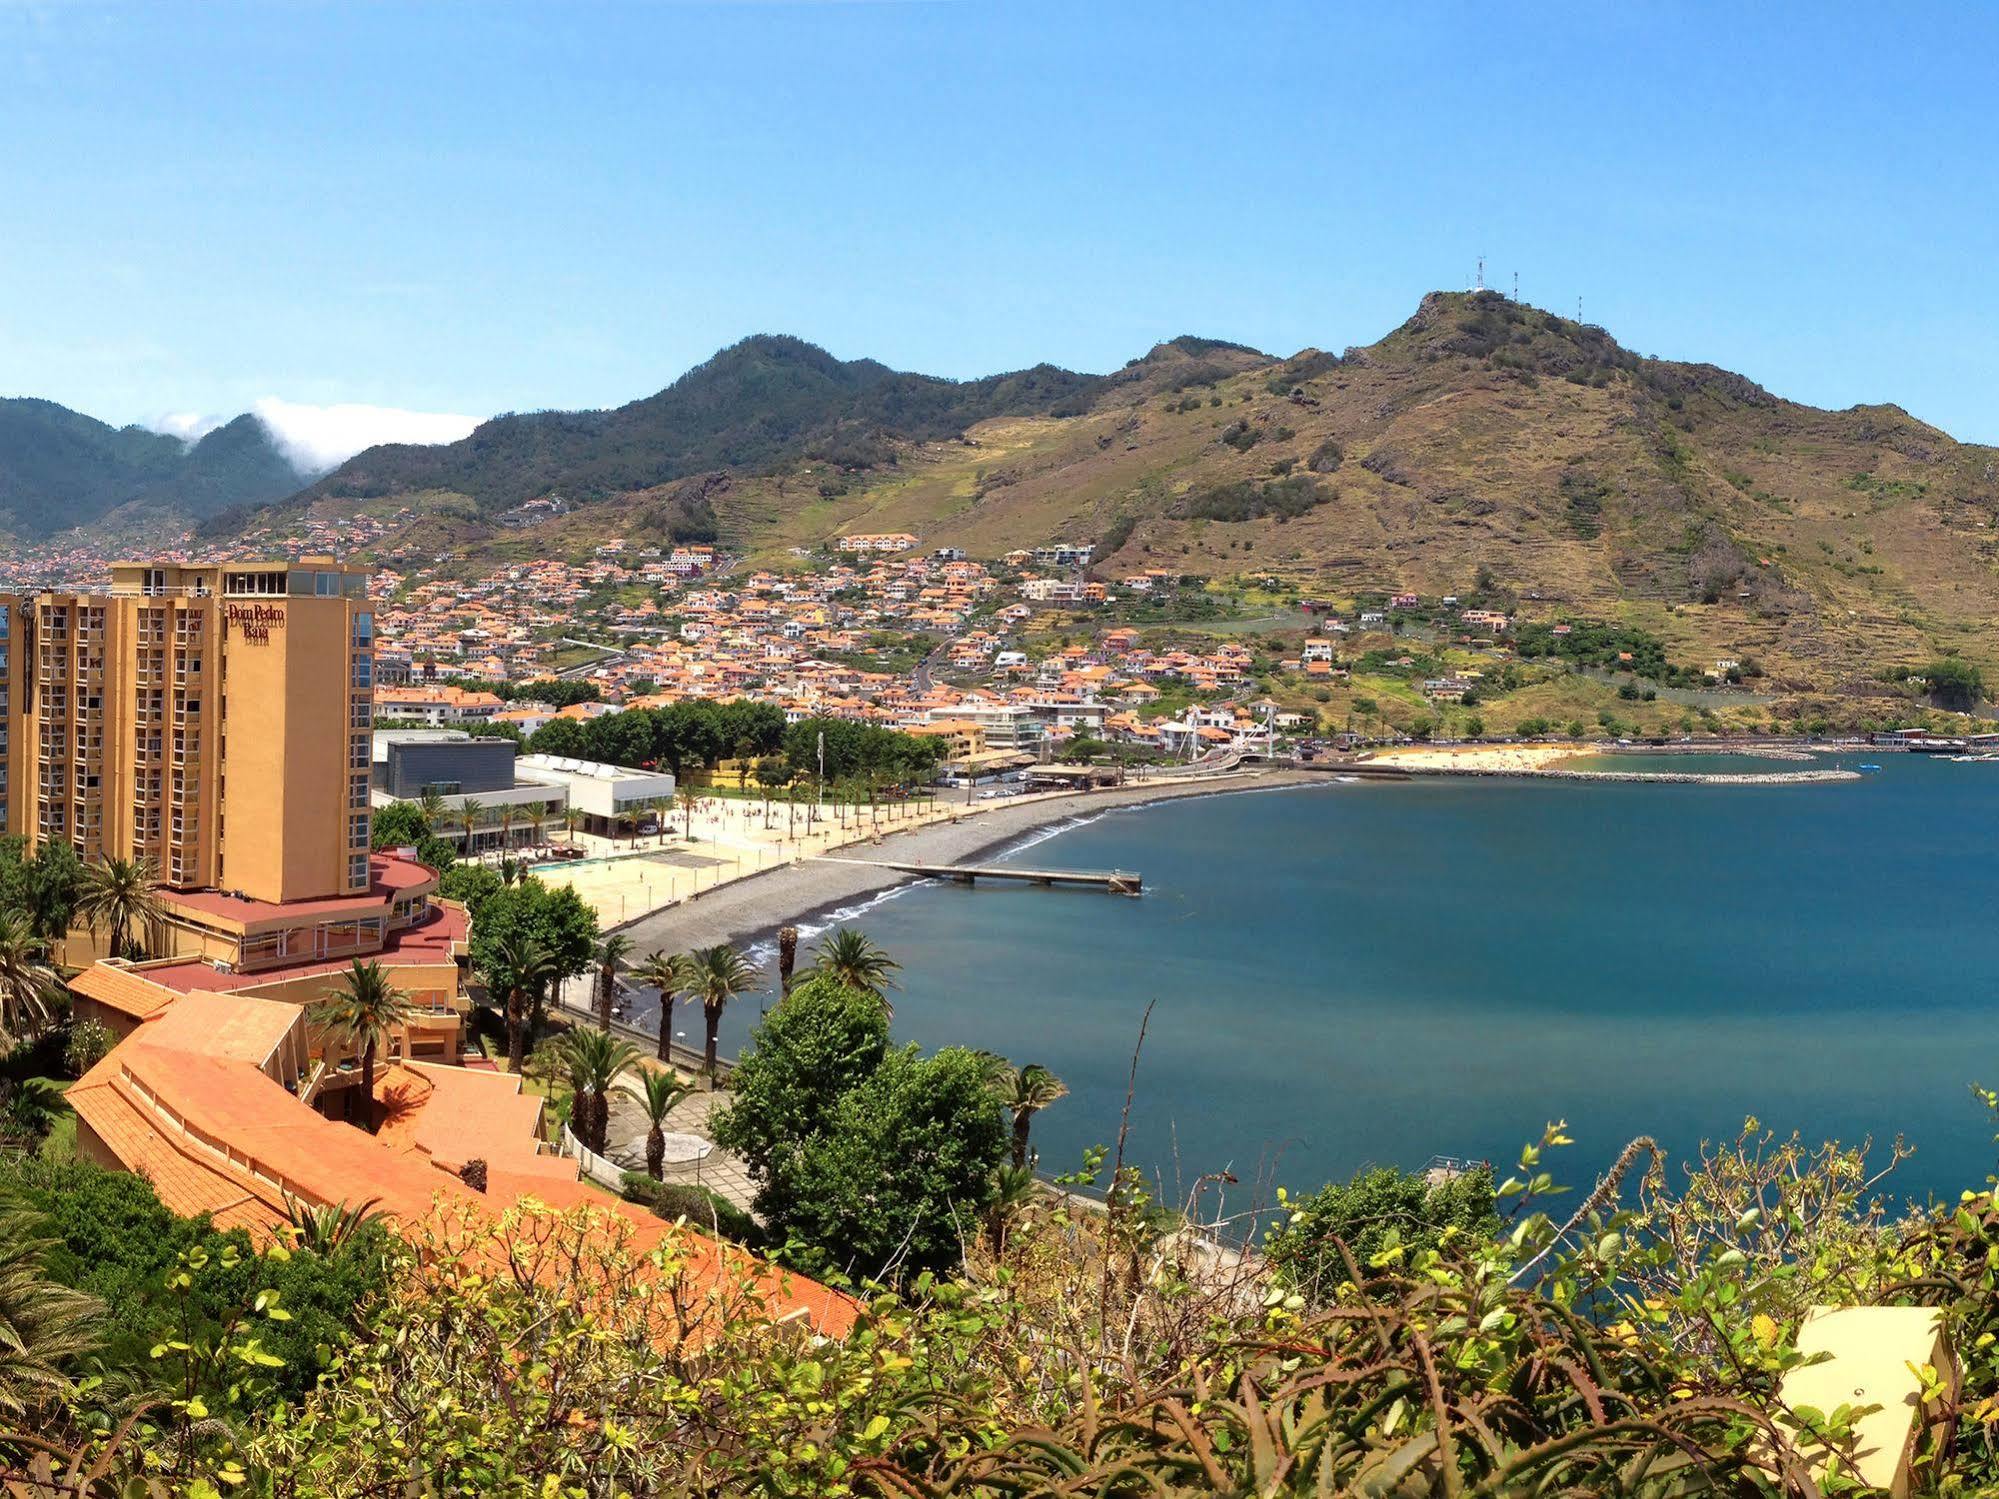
column 49, row 1327
column 663, row 1092
column 120, row 896
column 1013, row 1189
column 662, row 971
column 1025, row 1092
column 519, row 967
column 27, row 985
column 686, row 797
column 506, row 825
column 572, row 819
column 787, row 957
column 596, row 1062
column 367, row 1009
column 470, row 810
column 852, row 959
column 610, row 953
column 715, row 975
column 431, row 805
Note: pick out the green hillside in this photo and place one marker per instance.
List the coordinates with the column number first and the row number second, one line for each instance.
column 59, row 468
column 1482, row 439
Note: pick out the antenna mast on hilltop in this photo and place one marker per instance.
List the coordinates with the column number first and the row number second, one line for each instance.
column 1579, row 309
column 1479, row 286
column 1516, row 286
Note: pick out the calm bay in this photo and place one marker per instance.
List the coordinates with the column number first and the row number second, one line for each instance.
column 1378, row 973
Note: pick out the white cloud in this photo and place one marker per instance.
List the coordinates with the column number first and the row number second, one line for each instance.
column 188, row 426
column 318, row 438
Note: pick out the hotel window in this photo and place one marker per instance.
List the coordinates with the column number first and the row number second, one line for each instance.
column 357, row 792
column 360, row 714
column 364, row 672
column 364, row 630
column 357, row 830
column 357, row 870
column 360, row 754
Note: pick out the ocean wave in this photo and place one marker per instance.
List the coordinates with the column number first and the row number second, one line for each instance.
column 764, row 954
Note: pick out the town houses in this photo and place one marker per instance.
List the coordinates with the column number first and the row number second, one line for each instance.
column 1003, row 658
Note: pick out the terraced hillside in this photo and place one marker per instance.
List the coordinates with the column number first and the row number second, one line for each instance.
column 1482, row 439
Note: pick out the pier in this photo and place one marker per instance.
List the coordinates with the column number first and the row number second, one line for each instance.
column 1116, row 881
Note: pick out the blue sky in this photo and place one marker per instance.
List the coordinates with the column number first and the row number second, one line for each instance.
column 467, row 208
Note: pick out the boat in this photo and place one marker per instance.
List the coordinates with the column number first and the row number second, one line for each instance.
column 1870, row 767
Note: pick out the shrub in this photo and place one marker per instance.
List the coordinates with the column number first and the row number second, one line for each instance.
column 89, row 1043
column 1381, row 1216
column 1247, row 500
column 702, row 1207
column 1954, row 684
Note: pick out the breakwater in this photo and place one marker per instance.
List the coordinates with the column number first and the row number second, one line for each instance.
column 1668, row 777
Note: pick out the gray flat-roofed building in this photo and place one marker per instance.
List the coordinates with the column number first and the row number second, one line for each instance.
column 409, row 763
column 515, row 809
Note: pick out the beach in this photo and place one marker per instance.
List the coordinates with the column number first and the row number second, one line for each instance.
column 1488, row 759
column 745, row 910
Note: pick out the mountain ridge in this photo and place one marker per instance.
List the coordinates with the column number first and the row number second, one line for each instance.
column 61, row 469
column 1479, row 439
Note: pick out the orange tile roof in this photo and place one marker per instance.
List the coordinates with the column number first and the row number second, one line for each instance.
column 121, row 989
column 215, row 1134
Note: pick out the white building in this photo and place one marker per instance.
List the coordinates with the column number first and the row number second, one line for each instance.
column 602, row 793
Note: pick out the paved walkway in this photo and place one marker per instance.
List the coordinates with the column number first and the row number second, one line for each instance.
column 722, row 1172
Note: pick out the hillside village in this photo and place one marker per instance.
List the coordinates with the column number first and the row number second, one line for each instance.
column 1038, row 654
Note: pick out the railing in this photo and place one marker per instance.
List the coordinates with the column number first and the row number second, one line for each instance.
column 601, row 1169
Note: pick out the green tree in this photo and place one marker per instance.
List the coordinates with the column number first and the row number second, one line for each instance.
column 852, row 959
column 1954, row 684
column 430, row 803
column 904, row 1172
column 611, row 951
column 472, row 884
column 559, row 736
column 714, row 976
column 401, row 825
column 50, row 1328
column 119, row 897
column 663, row 1093
column 115, row 1241
column 44, row 889
column 556, row 920
column 368, row 1010
column 27, row 984
column 821, row 1041
column 662, row 970
column 515, row 966
column 596, row 1060
column 90, row 1042
column 1023, row 1093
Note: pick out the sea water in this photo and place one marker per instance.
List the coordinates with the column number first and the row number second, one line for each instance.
column 1357, row 973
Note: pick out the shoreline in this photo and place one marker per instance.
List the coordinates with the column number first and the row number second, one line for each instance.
column 1552, row 762
column 749, row 911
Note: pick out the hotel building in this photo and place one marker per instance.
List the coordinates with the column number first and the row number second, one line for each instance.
column 214, row 721
column 211, row 720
